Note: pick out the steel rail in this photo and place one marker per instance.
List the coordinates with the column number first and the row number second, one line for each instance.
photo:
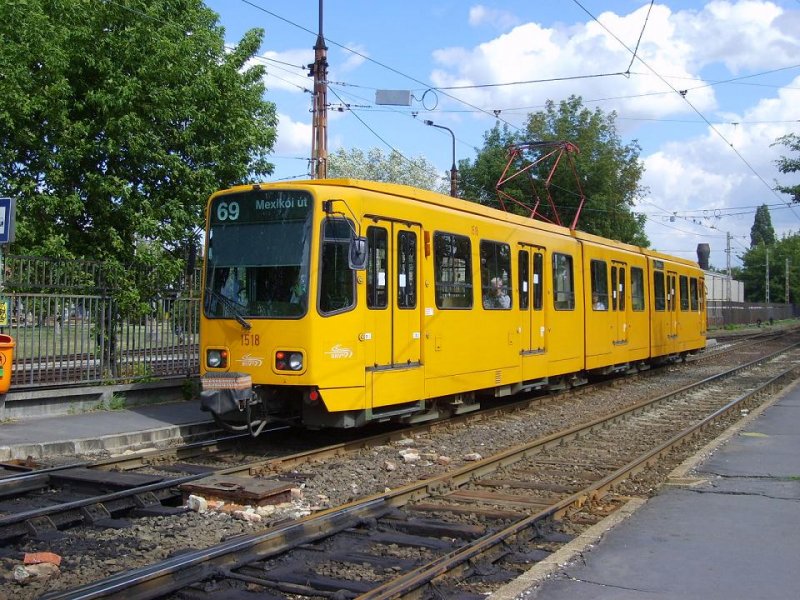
column 38, row 478
column 173, row 574
column 410, row 582
column 7, row 522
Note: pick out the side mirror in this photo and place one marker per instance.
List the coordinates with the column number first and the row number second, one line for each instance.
column 357, row 257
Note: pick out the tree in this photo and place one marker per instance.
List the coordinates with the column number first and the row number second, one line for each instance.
column 762, row 231
column 609, row 171
column 392, row 168
column 117, row 120
column 477, row 180
column 753, row 270
column 790, row 165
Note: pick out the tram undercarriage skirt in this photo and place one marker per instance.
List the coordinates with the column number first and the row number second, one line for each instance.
column 229, row 397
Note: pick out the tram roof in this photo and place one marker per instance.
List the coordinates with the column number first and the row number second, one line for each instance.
column 435, row 198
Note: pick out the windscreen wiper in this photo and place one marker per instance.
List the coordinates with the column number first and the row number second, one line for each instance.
column 233, row 307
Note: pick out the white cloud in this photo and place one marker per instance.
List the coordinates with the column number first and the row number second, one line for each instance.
column 499, row 19
column 741, row 35
column 294, row 137
column 685, row 47
column 288, row 70
column 713, row 171
column 351, row 60
column 744, row 35
column 531, row 52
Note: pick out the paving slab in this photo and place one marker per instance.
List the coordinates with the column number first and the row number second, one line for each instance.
column 735, row 535
column 111, row 431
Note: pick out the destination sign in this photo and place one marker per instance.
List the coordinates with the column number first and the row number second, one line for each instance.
column 260, row 206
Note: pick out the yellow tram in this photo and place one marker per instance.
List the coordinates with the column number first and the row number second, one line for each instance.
column 333, row 303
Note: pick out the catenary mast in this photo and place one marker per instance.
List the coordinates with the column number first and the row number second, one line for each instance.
column 319, row 120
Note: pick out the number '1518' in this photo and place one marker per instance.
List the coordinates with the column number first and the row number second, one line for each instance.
column 251, row 339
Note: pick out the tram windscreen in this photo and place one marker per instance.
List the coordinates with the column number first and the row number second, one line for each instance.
column 257, row 255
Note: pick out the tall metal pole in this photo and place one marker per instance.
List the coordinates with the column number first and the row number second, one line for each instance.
column 728, row 259
column 766, row 283
column 319, row 119
column 453, row 170
column 786, row 285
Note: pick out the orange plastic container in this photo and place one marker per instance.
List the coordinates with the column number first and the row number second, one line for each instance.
column 7, row 344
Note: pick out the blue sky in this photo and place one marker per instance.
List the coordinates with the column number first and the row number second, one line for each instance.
column 708, row 153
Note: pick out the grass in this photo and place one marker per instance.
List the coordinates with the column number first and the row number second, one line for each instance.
column 79, row 338
column 117, row 402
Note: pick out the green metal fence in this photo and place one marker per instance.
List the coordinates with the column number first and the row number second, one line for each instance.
column 68, row 330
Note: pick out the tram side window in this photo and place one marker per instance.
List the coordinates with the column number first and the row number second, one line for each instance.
column 453, row 270
column 337, row 281
column 538, row 281
column 670, row 293
column 598, row 270
column 524, row 279
column 637, row 289
column 701, row 295
column 659, row 290
column 376, row 267
column 684, row 289
column 620, row 287
column 614, row 288
column 563, row 289
column 695, row 302
column 406, row 269
column 496, row 275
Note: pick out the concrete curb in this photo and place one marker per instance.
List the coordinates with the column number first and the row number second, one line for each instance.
column 681, row 476
column 542, row 570
column 115, row 443
column 22, row 404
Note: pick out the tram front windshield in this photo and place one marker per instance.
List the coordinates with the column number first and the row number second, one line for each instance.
column 258, row 250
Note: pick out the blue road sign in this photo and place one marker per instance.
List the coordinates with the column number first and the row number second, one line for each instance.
column 7, row 206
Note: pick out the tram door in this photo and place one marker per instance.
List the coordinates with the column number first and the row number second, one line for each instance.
column 531, row 299
column 619, row 304
column 394, row 307
column 672, row 305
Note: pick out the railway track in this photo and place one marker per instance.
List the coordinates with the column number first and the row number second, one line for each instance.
column 40, row 501
column 467, row 530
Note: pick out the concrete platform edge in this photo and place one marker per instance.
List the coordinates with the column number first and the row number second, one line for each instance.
column 566, row 554
column 681, row 475
column 32, row 403
column 115, row 443
column 525, row 584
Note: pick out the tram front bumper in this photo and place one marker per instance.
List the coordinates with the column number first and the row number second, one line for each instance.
column 224, row 393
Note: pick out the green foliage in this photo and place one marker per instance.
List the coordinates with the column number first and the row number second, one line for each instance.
column 477, row 180
column 790, row 164
column 139, row 372
column 117, row 402
column 754, row 267
column 609, row 171
column 762, row 231
column 392, row 168
column 191, row 388
column 117, row 120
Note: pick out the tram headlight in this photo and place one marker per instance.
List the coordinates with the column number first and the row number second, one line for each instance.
column 295, row 361
column 286, row 360
column 216, row 358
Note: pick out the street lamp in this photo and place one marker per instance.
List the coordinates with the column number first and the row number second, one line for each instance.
column 453, row 170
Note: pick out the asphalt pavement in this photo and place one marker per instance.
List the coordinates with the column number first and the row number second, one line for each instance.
column 728, row 530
